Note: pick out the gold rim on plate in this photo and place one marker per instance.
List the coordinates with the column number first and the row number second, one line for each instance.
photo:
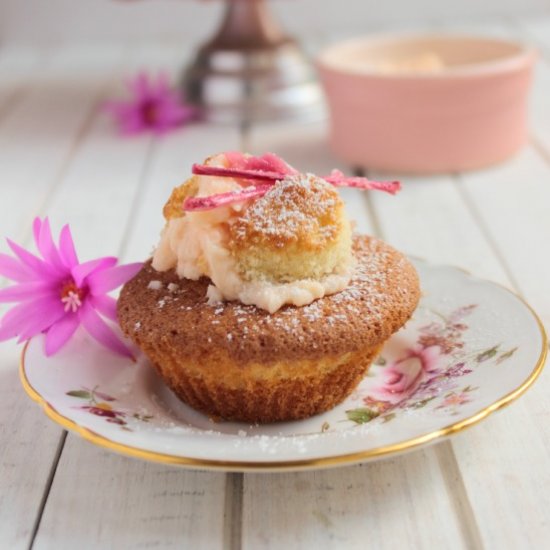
column 324, row 462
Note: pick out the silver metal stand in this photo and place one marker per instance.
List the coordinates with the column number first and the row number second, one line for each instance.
column 250, row 70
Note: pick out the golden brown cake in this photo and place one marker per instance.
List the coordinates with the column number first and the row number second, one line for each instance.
column 269, row 359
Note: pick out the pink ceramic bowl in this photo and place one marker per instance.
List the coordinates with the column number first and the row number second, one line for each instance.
column 430, row 103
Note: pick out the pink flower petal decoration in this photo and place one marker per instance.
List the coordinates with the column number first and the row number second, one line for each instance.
column 54, row 293
column 153, row 106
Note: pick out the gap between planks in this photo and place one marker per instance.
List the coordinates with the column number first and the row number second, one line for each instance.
column 47, row 488
column 456, row 488
column 540, row 149
column 233, row 511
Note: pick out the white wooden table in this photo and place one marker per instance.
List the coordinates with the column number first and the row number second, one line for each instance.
column 486, row 488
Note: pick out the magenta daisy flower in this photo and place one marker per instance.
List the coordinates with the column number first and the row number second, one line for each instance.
column 56, row 293
column 154, row 106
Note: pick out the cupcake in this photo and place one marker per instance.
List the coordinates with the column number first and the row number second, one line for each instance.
column 259, row 305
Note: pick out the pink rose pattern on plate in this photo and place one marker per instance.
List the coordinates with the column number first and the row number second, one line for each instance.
column 429, row 371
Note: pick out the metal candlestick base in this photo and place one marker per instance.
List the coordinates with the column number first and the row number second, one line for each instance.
column 251, row 71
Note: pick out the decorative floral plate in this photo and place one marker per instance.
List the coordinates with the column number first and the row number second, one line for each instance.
column 471, row 348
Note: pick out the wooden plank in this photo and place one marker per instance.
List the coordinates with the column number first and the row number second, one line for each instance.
column 511, row 201
column 508, row 499
column 28, row 446
column 101, row 500
column 395, row 503
column 16, row 67
column 346, row 508
column 427, row 219
column 468, row 223
column 39, row 134
column 37, row 140
column 128, row 187
column 535, row 27
column 508, row 202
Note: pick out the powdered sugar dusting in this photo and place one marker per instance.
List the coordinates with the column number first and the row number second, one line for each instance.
column 293, row 207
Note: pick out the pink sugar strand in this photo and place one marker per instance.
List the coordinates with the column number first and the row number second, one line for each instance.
column 196, row 204
column 338, row 179
column 260, row 175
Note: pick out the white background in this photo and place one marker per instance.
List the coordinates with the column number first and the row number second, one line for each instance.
column 51, row 22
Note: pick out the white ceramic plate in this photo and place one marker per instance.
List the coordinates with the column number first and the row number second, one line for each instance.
column 471, row 348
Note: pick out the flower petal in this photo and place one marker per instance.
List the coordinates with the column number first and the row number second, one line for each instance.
column 26, row 291
column 140, row 85
column 47, row 246
column 59, row 333
column 15, row 270
column 38, row 266
column 12, row 322
column 18, row 318
column 106, row 280
column 81, row 271
column 162, row 87
column 118, row 108
column 133, row 124
column 170, row 113
column 66, row 247
column 39, row 323
column 105, row 305
column 98, row 329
